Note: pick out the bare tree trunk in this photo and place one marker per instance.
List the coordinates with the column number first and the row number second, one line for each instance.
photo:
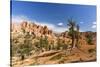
column 73, row 41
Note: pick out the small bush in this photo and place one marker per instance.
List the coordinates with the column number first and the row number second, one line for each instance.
column 89, row 39
column 91, row 50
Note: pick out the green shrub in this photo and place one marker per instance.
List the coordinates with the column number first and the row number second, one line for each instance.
column 89, row 39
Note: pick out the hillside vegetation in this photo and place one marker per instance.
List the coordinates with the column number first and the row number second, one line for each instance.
column 33, row 44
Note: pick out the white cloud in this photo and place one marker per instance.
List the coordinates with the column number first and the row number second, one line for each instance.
column 60, row 29
column 94, row 25
column 81, row 22
column 52, row 27
column 60, row 24
column 19, row 19
column 81, row 30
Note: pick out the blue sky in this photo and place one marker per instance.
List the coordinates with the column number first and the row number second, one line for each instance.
column 55, row 15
